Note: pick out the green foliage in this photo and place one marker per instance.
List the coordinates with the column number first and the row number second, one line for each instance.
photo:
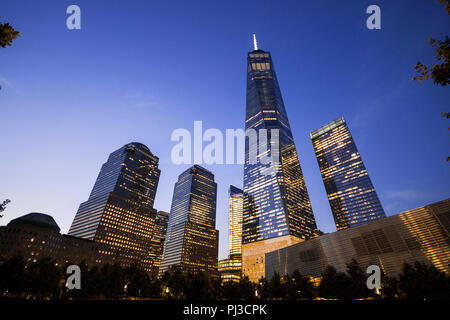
column 7, row 34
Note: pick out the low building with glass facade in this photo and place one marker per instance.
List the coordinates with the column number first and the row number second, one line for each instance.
column 350, row 191
column 420, row 234
column 192, row 240
column 119, row 212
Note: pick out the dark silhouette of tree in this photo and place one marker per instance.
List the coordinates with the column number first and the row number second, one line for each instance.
column 106, row 283
column 389, row 288
column 137, row 281
column 155, row 289
column 215, row 289
column 230, row 290
column 439, row 72
column 276, row 287
column 7, row 34
column 334, row 284
column 246, row 289
column 420, row 281
column 299, row 287
column 3, row 206
column 112, row 281
column 178, row 284
column 175, row 281
column 262, row 289
column 197, row 287
column 448, row 4
column 12, row 275
column 357, row 287
column 44, row 278
column 91, row 283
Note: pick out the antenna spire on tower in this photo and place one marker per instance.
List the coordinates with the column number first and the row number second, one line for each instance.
column 255, row 44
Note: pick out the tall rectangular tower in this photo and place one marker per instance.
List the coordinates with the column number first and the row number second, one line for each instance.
column 159, row 238
column 192, row 240
column 119, row 212
column 277, row 209
column 236, row 209
column 231, row 268
column 352, row 197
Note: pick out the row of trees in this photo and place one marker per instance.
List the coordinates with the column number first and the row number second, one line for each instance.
column 45, row 279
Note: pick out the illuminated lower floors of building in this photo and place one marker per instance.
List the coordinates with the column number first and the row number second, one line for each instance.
column 34, row 240
column 191, row 247
column 420, row 234
column 231, row 269
column 253, row 255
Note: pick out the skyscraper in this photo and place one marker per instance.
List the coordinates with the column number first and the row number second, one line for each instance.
column 277, row 209
column 192, row 240
column 352, row 197
column 159, row 237
column 119, row 212
column 236, row 209
column 231, row 268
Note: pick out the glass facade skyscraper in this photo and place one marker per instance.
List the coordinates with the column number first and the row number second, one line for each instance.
column 352, row 197
column 236, row 209
column 276, row 205
column 119, row 212
column 159, row 237
column 231, row 268
column 192, row 240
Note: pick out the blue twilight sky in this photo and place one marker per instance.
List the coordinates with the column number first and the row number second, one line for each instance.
column 137, row 70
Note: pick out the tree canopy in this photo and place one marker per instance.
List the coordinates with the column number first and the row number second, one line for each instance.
column 7, row 34
column 45, row 279
column 439, row 72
